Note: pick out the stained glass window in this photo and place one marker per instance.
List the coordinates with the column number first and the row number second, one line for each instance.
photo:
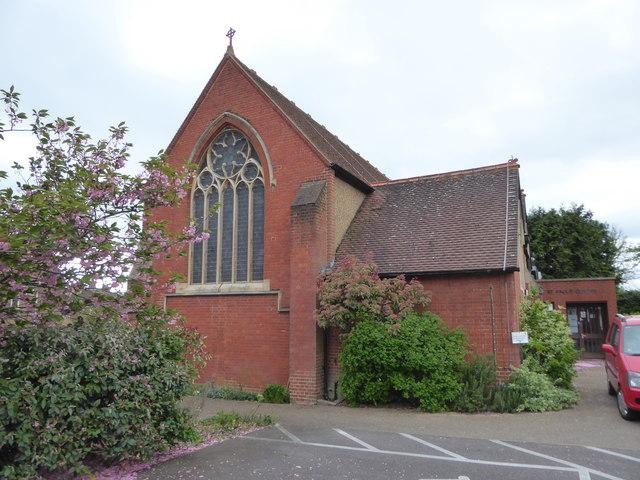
column 198, row 213
column 242, row 204
column 228, row 202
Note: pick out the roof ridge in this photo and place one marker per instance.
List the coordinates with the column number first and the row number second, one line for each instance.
column 310, row 120
column 346, row 147
column 315, row 125
column 351, row 151
column 466, row 171
column 321, row 131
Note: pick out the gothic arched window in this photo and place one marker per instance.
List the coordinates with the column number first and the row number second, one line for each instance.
column 231, row 179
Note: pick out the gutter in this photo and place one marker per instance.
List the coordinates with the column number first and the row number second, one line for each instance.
column 351, row 179
column 451, row 272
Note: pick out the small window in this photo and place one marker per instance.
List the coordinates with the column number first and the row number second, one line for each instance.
column 572, row 316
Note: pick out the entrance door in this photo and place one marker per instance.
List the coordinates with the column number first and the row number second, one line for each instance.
column 588, row 324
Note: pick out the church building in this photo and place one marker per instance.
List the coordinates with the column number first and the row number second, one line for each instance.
column 292, row 198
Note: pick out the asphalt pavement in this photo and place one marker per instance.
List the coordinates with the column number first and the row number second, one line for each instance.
column 295, row 452
column 590, row 441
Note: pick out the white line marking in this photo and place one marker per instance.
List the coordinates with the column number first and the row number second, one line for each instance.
column 325, row 445
column 582, row 470
column 422, row 455
column 615, row 454
column 461, row 477
column 290, row 435
column 431, row 445
column 357, row 440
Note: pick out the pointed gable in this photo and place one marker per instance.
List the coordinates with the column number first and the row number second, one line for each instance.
column 330, row 148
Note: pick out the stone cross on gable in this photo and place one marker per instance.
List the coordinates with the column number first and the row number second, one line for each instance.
column 230, row 34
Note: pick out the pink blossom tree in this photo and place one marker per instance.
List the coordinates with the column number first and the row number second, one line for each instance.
column 74, row 223
column 353, row 291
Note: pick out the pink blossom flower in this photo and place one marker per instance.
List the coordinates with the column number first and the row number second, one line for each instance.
column 81, row 221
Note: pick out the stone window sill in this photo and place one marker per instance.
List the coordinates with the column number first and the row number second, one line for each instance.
column 183, row 289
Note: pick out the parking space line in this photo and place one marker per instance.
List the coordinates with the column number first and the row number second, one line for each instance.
column 424, row 455
column 582, row 470
column 431, row 445
column 290, row 435
column 357, row 440
column 615, row 454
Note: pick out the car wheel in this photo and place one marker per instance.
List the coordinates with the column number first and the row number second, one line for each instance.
column 625, row 411
column 612, row 391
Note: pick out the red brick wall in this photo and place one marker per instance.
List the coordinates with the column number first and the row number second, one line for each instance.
column 587, row 290
column 247, row 338
column 485, row 306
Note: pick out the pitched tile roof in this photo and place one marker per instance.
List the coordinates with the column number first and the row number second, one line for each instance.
column 444, row 223
column 331, row 148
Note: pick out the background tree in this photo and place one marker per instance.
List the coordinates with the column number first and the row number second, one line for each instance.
column 570, row 243
column 629, row 301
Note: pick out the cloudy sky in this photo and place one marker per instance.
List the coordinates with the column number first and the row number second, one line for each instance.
column 415, row 87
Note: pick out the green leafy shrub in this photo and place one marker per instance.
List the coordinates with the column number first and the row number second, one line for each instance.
column 505, row 399
column 419, row 360
column 529, row 391
column 97, row 389
column 479, row 381
column 275, row 394
column 525, row 390
column 228, row 421
column 367, row 360
column 227, row 393
column 551, row 349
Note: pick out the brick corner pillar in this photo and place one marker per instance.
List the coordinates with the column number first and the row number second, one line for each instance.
column 307, row 257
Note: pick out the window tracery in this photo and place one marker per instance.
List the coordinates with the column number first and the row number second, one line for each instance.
column 232, row 179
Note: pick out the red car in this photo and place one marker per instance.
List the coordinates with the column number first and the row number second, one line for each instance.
column 622, row 364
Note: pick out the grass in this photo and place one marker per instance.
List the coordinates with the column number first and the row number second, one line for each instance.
column 225, row 422
column 227, row 393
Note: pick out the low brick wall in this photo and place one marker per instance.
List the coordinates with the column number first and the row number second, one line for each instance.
column 485, row 306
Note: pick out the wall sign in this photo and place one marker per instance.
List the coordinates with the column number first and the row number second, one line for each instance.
column 571, row 291
column 518, row 338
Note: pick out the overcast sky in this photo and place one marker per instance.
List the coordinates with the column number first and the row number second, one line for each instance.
column 415, row 87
